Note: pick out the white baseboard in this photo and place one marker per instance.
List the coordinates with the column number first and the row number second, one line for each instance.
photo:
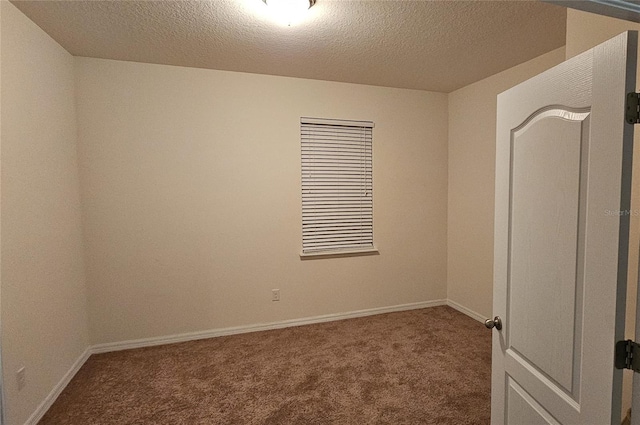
column 190, row 336
column 170, row 339
column 55, row 392
column 464, row 310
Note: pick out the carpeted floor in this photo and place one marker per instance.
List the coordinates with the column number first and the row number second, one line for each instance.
column 429, row 366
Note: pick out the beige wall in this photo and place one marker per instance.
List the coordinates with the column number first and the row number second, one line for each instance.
column 587, row 30
column 472, row 138
column 584, row 31
column 191, row 190
column 44, row 317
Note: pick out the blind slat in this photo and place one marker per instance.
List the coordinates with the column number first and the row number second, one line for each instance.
column 320, row 122
column 335, row 226
column 335, row 234
column 335, row 185
column 338, row 245
column 332, row 218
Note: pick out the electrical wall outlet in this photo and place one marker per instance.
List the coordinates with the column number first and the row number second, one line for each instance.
column 275, row 295
column 21, row 378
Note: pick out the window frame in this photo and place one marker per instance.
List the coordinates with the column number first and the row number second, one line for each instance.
column 347, row 182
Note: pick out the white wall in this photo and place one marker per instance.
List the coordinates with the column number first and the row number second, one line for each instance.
column 44, row 316
column 191, row 191
column 472, row 138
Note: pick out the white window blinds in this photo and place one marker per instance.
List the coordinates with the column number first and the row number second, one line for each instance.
column 337, row 185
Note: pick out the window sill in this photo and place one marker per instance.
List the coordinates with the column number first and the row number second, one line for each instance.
column 338, row 254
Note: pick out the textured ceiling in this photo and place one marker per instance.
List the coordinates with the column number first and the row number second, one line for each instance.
column 429, row 45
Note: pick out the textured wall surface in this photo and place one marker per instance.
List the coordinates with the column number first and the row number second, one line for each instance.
column 192, row 198
column 472, row 157
column 44, row 317
column 429, row 45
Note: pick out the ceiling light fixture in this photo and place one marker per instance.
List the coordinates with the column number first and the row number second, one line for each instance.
column 289, row 11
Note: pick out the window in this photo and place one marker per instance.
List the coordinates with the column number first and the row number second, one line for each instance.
column 337, row 186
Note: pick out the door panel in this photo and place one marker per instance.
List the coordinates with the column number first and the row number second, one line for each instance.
column 522, row 409
column 548, row 160
column 563, row 156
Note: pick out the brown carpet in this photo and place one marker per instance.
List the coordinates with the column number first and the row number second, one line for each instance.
column 429, row 366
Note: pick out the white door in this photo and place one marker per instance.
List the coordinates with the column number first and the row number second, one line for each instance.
column 563, row 174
